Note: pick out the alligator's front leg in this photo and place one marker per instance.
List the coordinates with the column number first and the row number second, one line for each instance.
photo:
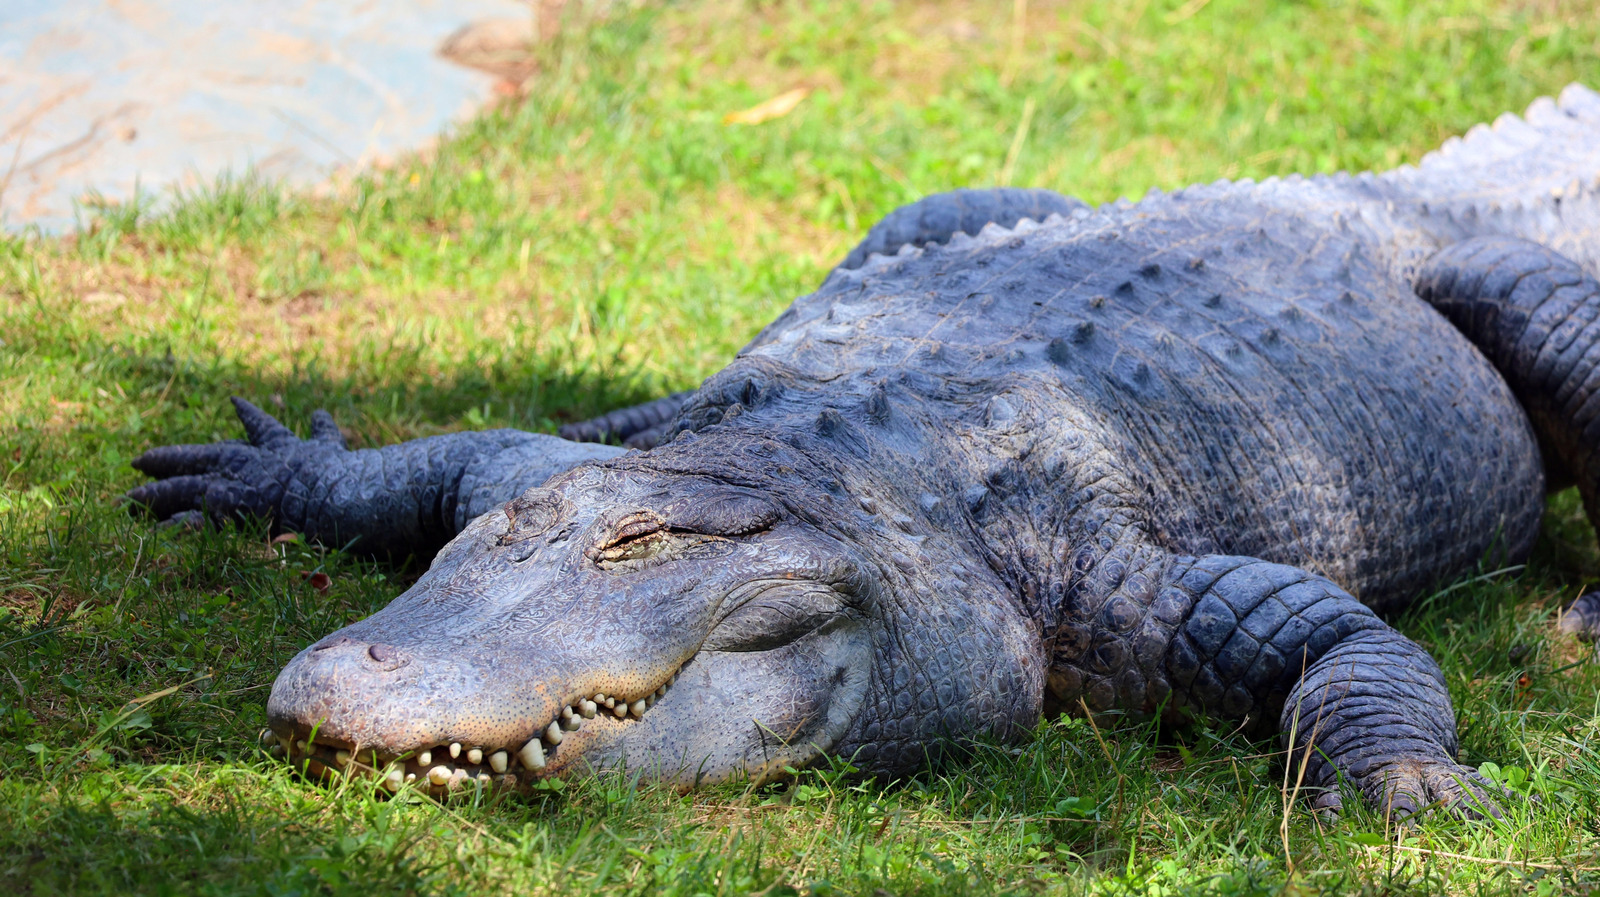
column 401, row 499
column 1355, row 700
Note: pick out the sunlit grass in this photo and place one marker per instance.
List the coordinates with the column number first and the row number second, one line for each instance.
column 608, row 238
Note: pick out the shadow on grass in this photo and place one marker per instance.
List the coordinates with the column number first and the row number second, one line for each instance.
column 213, row 842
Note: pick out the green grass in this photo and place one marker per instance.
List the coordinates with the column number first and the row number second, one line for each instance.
column 607, row 238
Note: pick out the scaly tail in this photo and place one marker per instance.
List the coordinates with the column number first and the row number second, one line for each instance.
column 1536, row 177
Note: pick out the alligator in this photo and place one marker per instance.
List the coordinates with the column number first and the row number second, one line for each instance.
column 1172, row 458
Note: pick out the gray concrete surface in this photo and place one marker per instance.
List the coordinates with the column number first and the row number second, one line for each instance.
column 98, row 96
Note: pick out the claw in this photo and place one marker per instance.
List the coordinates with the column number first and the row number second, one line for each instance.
column 323, row 428
column 1329, row 804
column 1581, row 618
column 184, row 520
column 234, row 478
column 1410, row 790
column 169, row 497
column 181, row 460
column 263, row 429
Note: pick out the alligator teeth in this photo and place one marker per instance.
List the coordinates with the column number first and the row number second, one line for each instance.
column 268, row 738
column 286, row 743
column 532, row 754
column 301, row 745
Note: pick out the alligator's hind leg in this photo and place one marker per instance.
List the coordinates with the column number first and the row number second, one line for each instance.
column 1536, row 315
column 637, row 426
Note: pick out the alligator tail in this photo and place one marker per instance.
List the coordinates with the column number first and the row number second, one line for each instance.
column 1536, row 177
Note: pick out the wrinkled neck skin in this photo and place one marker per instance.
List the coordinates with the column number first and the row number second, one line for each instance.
column 996, row 518
column 999, row 520
column 867, row 580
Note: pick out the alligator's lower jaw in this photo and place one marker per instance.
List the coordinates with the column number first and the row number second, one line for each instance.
column 442, row 769
column 397, row 772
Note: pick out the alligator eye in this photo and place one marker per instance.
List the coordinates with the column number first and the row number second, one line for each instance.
column 645, row 539
column 635, row 537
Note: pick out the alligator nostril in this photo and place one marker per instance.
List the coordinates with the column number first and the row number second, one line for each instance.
column 382, row 653
column 339, row 642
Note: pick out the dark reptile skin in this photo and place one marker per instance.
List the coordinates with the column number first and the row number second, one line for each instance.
column 1165, row 456
column 399, row 500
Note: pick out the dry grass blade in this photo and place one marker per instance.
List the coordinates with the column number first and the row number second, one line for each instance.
column 767, row 110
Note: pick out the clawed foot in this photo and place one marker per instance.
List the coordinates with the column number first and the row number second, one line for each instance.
column 1582, row 618
column 237, row 478
column 1401, row 789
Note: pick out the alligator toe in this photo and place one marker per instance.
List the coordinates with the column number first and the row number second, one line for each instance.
column 1582, row 617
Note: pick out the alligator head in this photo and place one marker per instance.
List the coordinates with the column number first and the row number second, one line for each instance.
column 640, row 613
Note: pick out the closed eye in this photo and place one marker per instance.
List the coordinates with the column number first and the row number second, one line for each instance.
column 644, row 540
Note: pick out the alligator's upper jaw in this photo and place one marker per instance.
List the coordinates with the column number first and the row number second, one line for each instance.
column 720, row 715
column 446, row 765
column 510, row 713
column 430, row 718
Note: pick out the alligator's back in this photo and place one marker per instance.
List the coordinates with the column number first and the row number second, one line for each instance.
column 1272, row 389
column 1251, row 353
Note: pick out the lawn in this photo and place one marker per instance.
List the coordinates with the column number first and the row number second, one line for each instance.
column 604, row 239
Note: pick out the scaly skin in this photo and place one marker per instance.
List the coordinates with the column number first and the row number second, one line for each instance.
column 1164, row 457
